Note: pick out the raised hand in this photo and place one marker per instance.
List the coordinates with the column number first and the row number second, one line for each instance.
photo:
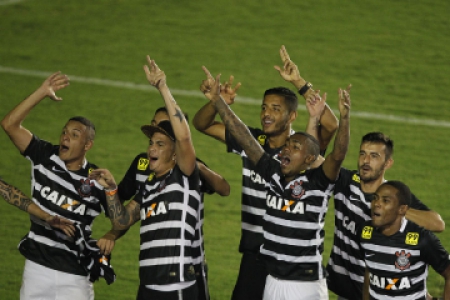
column 62, row 224
column 54, row 83
column 344, row 101
column 316, row 104
column 227, row 91
column 155, row 76
column 290, row 71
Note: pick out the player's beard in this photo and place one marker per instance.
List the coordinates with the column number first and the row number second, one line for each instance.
column 372, row 176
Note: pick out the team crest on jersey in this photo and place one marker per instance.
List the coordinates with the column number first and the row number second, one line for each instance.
column 262, row 139
column 412, row 238
column 143, row 164
column 90, row 170
column 297, row 190
column 367, row 232
column 356, row 178
column 402, row 262
column 85, row 188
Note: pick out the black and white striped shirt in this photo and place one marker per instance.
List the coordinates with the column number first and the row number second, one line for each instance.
column 135, row 177
column 346, row 266
column 294, row 221
column 58, row 191
column 253, row 197
column 169, row 215
column 398, row 264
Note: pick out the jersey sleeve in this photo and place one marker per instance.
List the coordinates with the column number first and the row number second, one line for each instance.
column 417, row 204
column 434, row 253
column 38, row 150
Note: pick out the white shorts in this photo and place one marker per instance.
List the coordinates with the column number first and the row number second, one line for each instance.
column 278, row 289
column 39, row 282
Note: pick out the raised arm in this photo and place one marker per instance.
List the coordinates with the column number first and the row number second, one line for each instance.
column 12, row 122
column 315, row 106
column 184, row 149
column 290, row 73
column 233, row 124
column 333, row 161
column 215, row 181
column 204, row 120
column 17, row 198
column 122, row 217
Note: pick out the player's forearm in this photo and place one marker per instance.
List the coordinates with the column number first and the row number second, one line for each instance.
column 15, row 197
column 328, row 126
column 176, row 116
column 214, row 180
column 430, row 220
column 205, row 117
column 342, row 139
column 239, row 131
column 119, row 216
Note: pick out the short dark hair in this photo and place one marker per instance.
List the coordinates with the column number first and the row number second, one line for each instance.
column 289, row 97
column 311, row 142
column 164, row 109
column 380, row 138
column 90, row 127
column 403, row 191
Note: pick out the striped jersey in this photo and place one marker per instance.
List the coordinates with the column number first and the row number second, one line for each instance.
column 253, row 193
column 169, row 208
column 58, row 191
column 398, row 264
column 346, row 266
column 294, row 221
column 135, row 177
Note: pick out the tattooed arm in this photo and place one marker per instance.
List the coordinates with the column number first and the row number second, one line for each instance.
column 234, row 125
column 122, row 217
column 184, row 148
column 16, row 197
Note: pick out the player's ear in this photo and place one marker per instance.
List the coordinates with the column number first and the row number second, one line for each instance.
column 388, row 164
column 88, row 145
column 403, row 209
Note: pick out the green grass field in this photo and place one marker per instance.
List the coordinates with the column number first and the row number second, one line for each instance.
column 394, row 53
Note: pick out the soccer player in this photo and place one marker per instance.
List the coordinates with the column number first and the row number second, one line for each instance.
column 60, row 186
column 397, row 252
column 297, row 199
column 353, row 194
column 278, row 112
column 210, row 182
column 167, row 204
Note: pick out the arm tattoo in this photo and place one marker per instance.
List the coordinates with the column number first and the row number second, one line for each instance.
column 14, row 196
column 179, row 114
column 239, row 131
column 117, row 212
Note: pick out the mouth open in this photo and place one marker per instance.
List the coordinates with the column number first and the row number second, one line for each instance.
column 285, row 160
column 63, row 148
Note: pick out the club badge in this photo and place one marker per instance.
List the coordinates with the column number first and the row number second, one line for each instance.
column 402, row 262
column 297, row 190
column 85, row 188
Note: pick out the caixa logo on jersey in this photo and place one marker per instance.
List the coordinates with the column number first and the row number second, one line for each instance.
column 386, row 283
column 62, row 201
column 155, row 209
column 290, row 206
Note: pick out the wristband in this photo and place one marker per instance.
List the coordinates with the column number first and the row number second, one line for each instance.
column 111, row 192
column 305, row 88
